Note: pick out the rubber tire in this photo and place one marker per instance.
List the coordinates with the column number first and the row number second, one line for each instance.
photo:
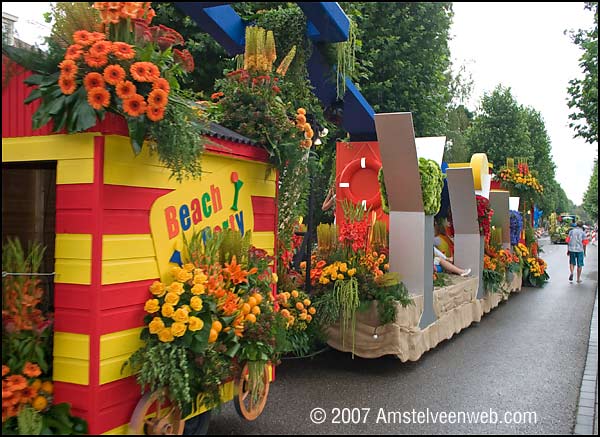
column 198, row 425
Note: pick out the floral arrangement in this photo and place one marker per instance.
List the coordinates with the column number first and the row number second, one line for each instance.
column 297, row 308
column 534, row 271
column 432, row 183
column 125, row 66
column 520, row 180
column 484, row 216
column 216, row 313
column 510, row 260
column 493, row 276
column 27, row 388
column 516, row 226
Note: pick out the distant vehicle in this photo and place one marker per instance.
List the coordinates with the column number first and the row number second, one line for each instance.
column 560, row 229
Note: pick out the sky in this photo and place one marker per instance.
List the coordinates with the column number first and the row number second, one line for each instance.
column 518, row 45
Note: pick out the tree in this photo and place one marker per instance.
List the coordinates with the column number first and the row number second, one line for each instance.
column 590, row 198
column 457, row 148
column 500, row 130
column 407, row 59
column 584, row 92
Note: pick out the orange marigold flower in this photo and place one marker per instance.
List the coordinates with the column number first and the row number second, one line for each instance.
column 68, row 68
column 67, row 84
column 101, row 48
column 158, row 98
column 161, row 84
column 83, row 37
column 126, row 90
column 135, row 106
column 5, row 370
column 32, row 370
column 95, row 61
column 123, row 50
column 216, row 96
column 155, row 113
column 139, row 71
column 74, row 52
column 113, row 74
column 93, row 80
column 98, row 98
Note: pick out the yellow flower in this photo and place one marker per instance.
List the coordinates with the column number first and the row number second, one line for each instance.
column 178, row 329
column 195, row 324
column 340, row 276
column 183, row 275
column 176, row 287
column 167, row 310
column 151, row 306
column 324, row 280
column 156, row 325
column 158, row 289
column 198, row 289
column 344, row 268
column 275, row 277
column 196, row 303
column 351, row 272
column 200, row 278
column 172, row 298
column 295, row 293
column 166, row 336
column 180, row 315
column 175, row 271
column 189, row 267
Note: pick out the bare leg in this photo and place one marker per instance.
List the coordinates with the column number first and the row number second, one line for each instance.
column 579, row 274
column 449, row 267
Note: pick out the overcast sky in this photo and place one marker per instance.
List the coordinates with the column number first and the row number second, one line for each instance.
column 520, row 45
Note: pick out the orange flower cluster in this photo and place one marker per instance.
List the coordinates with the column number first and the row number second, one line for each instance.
column 296, row 308
column 489, row 263
column 374, row 263
column 520, row 178
column 537, row 266
column 305, row 127
column 507, row 257
column 99, row 63
column 20, row 299
column 22, row 389
column 113, row 12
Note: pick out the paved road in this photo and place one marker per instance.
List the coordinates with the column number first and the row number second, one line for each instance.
column 527, row 355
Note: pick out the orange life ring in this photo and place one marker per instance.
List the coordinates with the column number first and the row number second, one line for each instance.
column 346, row 176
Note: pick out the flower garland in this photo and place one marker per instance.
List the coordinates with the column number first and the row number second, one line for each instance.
column 516, row 226
column 520, row 179
column 484, row 216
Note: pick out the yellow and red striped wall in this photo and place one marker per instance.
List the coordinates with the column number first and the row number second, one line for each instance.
column 105, row 256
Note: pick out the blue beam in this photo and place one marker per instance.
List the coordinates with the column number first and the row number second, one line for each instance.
column 221, row 22
column 329, row 20
column 359, row 116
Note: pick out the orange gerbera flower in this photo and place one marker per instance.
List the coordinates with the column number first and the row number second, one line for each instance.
column 122, row 50
column 126, row 90
column 113, row 74
column 74, row 52
column 67, row 84
column 155, row 113
column 135, row 106
column 83, row 37
column 158, row 98
column 152, row 72
column 15, row 383
column 68, row 68
column 32, row 370
column 161, row 84
column 95, row 61
column 101, row 48
column 98, row 98
column 138, row 71
column 93, row 80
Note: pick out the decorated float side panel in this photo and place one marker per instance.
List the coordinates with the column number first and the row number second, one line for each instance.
column 119, row 220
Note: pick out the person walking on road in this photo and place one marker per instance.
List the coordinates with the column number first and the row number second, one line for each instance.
column 577, row 242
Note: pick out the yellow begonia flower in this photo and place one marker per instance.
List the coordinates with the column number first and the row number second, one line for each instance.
column 198, row 289
column 196, row 303
column 351, row 272
column 158, row 289
column 324, row 281
column 172, row 298
column 175, row 271
column 156, row 325
column 151, row 306
column 183, row 276
column 167, row 310
column 340, row 276
column 180, row 315
column 178, row 329
column 176, row 287
column 343, row 268
column 189, row 267
column 195, row 324
column 166, row 336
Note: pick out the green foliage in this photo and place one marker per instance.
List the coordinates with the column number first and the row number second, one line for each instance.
column 441, row 279
column 58, row 420
column 405, row 57
column 383, row 192
column 29, row 421
column 590, row 198
column 492, row 281
column 432, row 183
column 347, row 300
column 388, row 297
column 584, row 92
column 459, row 121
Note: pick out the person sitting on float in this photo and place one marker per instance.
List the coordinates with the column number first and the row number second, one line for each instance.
column 443, row 263
column 441, row 240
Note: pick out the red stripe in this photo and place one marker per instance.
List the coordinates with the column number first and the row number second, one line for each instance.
column 265, row 210
column 131, row 198
column 122, row 306
column 244, row 151
column 74, row 321
column 116, row 401
column 77, row 395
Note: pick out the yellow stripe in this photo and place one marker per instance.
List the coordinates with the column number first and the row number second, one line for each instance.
column 115, row 349
column 264, row 240
column 75, row 171
column 73, row 271
column 74, row 246
column 48, row 147
column 119, row 430
column 128, row 270
column 71, row 358
column 127, row 246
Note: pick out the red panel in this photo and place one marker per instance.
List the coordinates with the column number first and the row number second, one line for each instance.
column 72, row 296
column 264, row 213
column 74, row 196
column 77, row 395
column 120, row 295
column 121, row 197
column 16, row 116
column 244, row 151
column 74, row 321
column 121, row 319
column 495, row 185
column 116, row 401
column 74, row 222
column 126, row 222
